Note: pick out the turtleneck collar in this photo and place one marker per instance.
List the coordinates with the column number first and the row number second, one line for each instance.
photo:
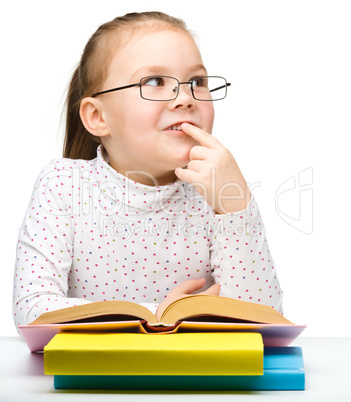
column 118, row 190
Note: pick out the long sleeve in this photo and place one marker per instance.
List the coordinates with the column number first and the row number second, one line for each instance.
column 44, row 252
column 240, row 258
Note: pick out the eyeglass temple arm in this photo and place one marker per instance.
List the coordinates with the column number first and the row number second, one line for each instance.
column 223, row 86
column 115, row 89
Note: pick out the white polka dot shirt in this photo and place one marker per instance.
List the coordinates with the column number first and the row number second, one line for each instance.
column 92, row 234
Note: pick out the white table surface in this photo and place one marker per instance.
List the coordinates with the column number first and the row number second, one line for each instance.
column 327, row 365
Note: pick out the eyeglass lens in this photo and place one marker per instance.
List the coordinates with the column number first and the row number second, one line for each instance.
column 166, row 88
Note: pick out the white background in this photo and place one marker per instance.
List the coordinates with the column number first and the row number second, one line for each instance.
column 288, row 111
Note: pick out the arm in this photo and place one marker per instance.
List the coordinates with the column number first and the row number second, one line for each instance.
column 241, row 260
column 44, row 252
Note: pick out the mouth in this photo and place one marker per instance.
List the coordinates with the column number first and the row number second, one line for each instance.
column 177, row 126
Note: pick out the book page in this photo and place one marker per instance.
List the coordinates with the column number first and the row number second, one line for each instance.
column 97, row 311
column 209, row 305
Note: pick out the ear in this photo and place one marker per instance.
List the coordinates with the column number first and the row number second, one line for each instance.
column 92, row 116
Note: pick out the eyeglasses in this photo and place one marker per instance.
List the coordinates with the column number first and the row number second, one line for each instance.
column 164, row 88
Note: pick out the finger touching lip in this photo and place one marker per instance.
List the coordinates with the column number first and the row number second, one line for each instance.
column 177, row 125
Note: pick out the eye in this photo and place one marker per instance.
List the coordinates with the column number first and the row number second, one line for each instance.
column 200, row 82
column 153, row 81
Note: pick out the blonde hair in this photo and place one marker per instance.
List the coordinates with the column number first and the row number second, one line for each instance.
column 93, row 69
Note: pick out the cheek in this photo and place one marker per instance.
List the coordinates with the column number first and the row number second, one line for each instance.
column 144, row 114
column 152, row 111
column 208, row 116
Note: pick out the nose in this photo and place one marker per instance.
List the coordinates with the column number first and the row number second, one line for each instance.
column 185, row 99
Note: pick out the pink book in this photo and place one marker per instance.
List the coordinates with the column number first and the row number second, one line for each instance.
column 276, row 335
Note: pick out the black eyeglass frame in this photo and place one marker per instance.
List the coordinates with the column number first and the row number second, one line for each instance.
column 226, row 85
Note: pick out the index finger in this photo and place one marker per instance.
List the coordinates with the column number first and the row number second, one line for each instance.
column 200, row 135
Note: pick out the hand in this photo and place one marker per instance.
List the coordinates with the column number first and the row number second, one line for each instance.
column 185, row 289
column 214, row 173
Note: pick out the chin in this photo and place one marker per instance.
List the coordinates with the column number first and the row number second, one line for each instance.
column 179, row 159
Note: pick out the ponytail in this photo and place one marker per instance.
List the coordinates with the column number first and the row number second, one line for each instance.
column 79, row 143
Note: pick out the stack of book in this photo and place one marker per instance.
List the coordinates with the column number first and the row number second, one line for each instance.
column 201, row 342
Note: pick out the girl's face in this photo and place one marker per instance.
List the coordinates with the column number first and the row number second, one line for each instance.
column 139, row 136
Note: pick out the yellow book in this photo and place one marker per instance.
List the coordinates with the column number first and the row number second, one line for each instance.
column 151, row 354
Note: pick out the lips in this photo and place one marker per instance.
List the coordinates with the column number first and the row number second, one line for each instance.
column 177, row 126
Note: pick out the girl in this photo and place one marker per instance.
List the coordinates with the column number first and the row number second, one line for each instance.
column 146, row 205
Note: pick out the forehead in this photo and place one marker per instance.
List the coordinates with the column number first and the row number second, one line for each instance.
column 172, row 51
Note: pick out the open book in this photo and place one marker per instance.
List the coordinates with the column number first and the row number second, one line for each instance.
column 187, row 307
column 190, row 314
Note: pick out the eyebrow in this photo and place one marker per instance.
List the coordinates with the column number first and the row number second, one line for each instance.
column 160, row 70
